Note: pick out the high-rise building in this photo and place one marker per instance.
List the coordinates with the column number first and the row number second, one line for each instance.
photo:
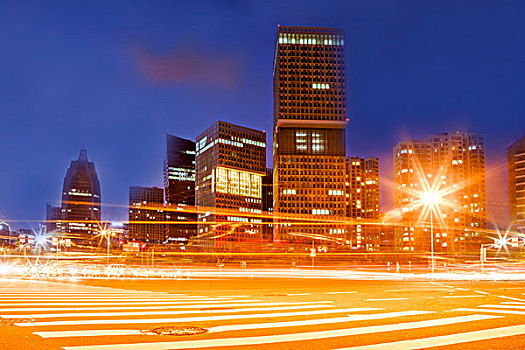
column 516, row 173
column 230, row 165
column 179, row 188
column 453, row 161
column 53, row 218
column 363, row 202
column 81, row 210
column 146, row 215
column 310, row 117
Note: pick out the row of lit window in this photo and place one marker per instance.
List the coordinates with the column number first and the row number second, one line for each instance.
column 310, row 39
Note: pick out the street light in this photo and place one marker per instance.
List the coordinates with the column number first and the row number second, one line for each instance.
column 431, row 199
column 106, row 234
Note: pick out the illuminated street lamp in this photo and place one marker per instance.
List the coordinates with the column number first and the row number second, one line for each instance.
column 431, row 199
column 107, row 234
column 502, row 241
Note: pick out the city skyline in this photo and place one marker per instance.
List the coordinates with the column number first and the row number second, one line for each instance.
column 23, row 203
column 335, row 174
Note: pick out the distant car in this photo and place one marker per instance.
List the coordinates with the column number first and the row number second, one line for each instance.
column 116, row 270
column 142, row 272
column 91, row 271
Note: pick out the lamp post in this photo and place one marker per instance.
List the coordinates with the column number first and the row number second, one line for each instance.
column 483, row 256
column 312, row 254
column 431, row 198
column 106, row 234
column 432, row 240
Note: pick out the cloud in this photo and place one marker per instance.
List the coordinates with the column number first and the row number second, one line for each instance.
column 189, row 67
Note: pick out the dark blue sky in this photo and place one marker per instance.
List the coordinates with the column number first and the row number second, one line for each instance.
column 115, row 76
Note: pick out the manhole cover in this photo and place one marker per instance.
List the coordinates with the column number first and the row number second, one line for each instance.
column 179, row 330
column 12, row 321
column 216, row 308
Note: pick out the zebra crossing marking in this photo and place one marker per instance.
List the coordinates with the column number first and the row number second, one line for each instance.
column 173, row 312
column 281, row 338
column 217, row 329
column 463, row 296
column 444, row 340
column 118, row 301
column 169, row 306
column 386, row 299
column 506, row 306
column 512, row 312
column 191, row 319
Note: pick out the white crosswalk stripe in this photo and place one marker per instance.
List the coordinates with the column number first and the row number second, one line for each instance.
column 506, row 306
column 492, row 311
column 510, row 308
column 217, row 329
column 189, row 319
column 196, row 304
column 445, row 340
column 173, row 312
column 113, row 319
column 117, row 302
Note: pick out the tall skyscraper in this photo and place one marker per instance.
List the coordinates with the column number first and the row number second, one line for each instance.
column 179, row 188
column 516, row 173
column 81, row 210
column 230, row 165
column 310, row 117
column 146, row 215
column 363, row 202
column 454, row 161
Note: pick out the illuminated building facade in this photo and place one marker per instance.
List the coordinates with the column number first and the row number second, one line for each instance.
column 516, row 173
column 310, row 117
column 230, row 165
column 363, row 202
column 179, row 188
column 454, row 161
column 146, row 215
column 81, row 210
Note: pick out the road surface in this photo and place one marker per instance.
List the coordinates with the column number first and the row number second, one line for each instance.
column 263, row 313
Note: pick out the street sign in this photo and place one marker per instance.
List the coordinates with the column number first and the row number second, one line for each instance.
column 514, row 242
column 312, row 252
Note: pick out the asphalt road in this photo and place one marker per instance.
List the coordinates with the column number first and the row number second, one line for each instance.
column 262, row 313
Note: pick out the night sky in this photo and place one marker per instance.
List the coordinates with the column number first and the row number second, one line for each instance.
column 116, row 76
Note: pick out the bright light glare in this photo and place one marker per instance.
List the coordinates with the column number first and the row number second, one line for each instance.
column 430, row 198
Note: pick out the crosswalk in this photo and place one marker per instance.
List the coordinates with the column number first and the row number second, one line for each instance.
column 77, row 317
